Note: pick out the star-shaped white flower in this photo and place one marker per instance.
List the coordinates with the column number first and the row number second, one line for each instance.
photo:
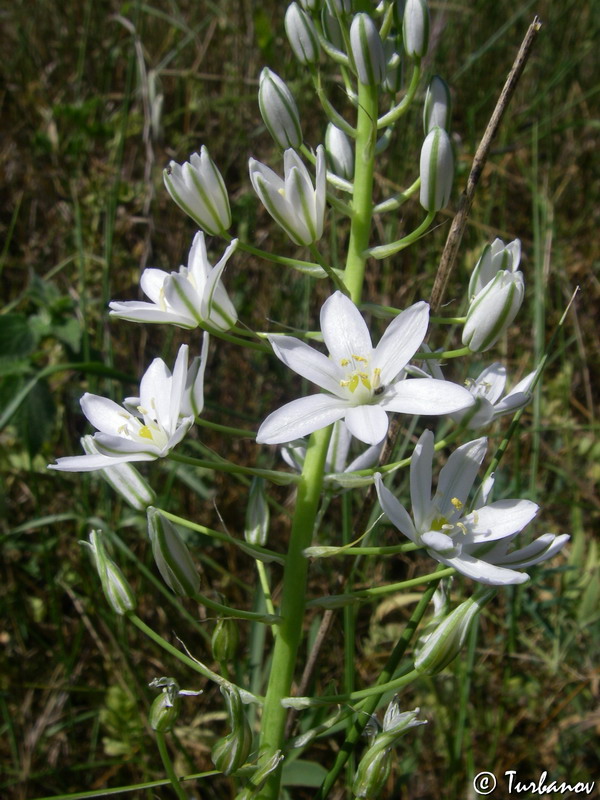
column 362, row 383
column 475, row 544
column 193, row 296
column 147, row 427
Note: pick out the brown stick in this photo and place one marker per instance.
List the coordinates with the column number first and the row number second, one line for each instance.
column 466, row 200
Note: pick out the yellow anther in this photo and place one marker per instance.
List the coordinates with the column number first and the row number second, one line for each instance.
column 376, row 377
column 145, row 432
column 344, row 362
column 360, row 358
column 457, row 503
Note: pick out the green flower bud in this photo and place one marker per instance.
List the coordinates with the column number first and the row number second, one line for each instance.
column 231, row 752
column 257, row 514
column 339, row 151
column 367, row 50
column 124, row 479
column 415, row 28
column 437, row 170
column 164, row 712
column 438, row 648
column 265, row 766
column 224, row 640
column 372, row 772
column 116, row 589
column 438, row 104
column 494, row 257
column 279, row 110
column 302, row 34
column 172, row 556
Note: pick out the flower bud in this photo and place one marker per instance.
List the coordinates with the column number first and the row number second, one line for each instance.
column 257, row 514
column 366, row 49
column 116, row 589
column 231, row 752
column 331, row 28
column 224, row 640
column 339, row 152
column 438, row 648
column 124, row 479
column 302, row 34
column 164, row 711
column 394, row 68
column 415, row 28
column 372, row 772
column 267, row 763
column 493, row 310
column 171, row 556
column 436, row 110
column 437, row 170
column 198, row 189
column 279, row 110
column 310, row 5
column 494, row 257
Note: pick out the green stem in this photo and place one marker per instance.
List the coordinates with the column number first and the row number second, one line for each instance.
column 377, row 591
column 292, row 607
column 386, row 250
column 395, row 113
column 280, row 478
column 331, row 273
column 168, row 765
column 236, row 613
column 350, row 697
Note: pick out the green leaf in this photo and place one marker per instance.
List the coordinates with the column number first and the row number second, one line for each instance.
column 16, row 337
column 303, row 773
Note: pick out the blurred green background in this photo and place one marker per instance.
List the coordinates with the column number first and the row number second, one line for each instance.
column 96, row 98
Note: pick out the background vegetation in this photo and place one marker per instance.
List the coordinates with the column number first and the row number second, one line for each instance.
column 96, row 98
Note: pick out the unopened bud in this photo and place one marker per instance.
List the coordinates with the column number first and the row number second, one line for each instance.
column 302, row 34
column 124, row 479
column 493, row 310
column 415, row 28
column 279, row 110
column 367, row 50
column 257, row 514
column 224, row 640
column 198, row 189
column 437, row 170
column 164, row 712
column 267, row 764
column 372, row 773
column 436, row 110
column 394, row 68
column 339, row 152
column 331, row 28
column 231, row 752
column 494, row 257
column 116, row 589
column 172, row 556
column 438, row 648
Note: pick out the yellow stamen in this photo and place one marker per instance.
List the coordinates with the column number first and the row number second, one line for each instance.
column 344, row 362
column 359, row 358
column 456, row 503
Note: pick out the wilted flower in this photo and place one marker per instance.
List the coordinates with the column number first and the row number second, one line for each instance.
column 193, row 296
column 279, row 110
column 231, row 752
column 294, row 203
column 198, row 189
column 436, row 170
column 469, row 542
column 361, row 381
column 144, row 428
column 496, row 289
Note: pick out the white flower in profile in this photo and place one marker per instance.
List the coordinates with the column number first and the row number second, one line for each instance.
column 362, row 383
column 191, row 297
column 476, row 543
column 147, row 427
column 294, row 203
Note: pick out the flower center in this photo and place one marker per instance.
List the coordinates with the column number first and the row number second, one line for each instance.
column 360, row 380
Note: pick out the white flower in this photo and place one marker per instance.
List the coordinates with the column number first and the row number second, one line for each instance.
column 496, row 291
column 198, row 188
column 475, row 544
column 193, row 296
column 294, row 203
column 361, row 381
column 144, row 428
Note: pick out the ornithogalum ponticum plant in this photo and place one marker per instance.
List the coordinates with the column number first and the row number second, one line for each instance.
column 383, row 428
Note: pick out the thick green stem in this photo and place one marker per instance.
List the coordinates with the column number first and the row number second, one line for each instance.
column 293, row 602
column 362, row 200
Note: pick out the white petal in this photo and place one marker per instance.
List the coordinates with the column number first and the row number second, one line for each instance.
column 500, row 519
column 152, row 282
column 183, row 298
column 367, row 459
column 138, row 311
column 438, row 542
column 541, row 549
column 169, row 416
column 308, row 362
column 401, row 340
column 198, row 263
column 427, row 396
column 395, row 511
column 104, row 414
column 367, row 423
column 181, row 430
column 483, row 572
column 119, row 446
column 420, row 479
column 155, row 380
column 344, row 330
column 491, row 382
column 457, row 477
column 339, row 444
column 299, row 418
column 92, row 462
